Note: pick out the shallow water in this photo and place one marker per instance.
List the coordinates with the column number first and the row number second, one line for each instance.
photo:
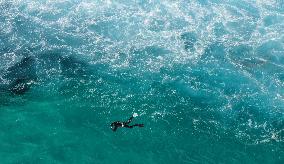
column 205, row 76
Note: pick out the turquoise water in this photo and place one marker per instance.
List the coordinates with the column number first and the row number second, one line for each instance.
column 205, row 76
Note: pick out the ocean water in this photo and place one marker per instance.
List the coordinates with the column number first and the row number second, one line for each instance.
column 205, row 76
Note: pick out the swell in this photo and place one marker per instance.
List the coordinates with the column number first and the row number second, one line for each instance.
column 214, row 64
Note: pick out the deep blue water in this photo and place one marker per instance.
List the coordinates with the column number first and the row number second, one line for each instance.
column 205, row 76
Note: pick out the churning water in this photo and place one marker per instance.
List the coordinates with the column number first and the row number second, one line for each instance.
column 205, row 76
